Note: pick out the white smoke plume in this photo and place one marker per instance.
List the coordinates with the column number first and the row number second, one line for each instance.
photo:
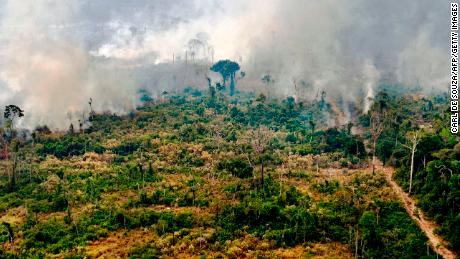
column 46, row 70
column 56, row 54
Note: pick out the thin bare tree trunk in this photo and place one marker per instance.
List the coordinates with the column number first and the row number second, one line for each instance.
column 413, row 148
column 262, row 173
column 281, row 182
column 411, row 168
column 356, row 244
column 373, row 158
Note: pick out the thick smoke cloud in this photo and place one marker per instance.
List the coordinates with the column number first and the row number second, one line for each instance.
column 46, row 70
column 55, row 55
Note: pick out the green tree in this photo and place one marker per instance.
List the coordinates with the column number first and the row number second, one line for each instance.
column 227, row 69
column 12, row 112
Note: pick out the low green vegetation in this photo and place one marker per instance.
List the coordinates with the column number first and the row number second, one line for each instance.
column 208, row 175
column 424, row 122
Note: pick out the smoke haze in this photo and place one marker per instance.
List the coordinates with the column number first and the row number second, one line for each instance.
column 56, row 54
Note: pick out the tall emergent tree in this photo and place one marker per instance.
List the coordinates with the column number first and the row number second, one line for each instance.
column 413, row 138
column 376, row 128
column 12, row 112
column 227, row 69
column 259, row 139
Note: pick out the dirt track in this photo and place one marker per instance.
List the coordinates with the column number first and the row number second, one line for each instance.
column 436, row 242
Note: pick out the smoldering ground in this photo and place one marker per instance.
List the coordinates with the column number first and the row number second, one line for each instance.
column 55, row 55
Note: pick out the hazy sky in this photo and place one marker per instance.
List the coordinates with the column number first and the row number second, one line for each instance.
column 55, row 54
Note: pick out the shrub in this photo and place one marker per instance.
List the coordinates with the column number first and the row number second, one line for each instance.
column 237, row 167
